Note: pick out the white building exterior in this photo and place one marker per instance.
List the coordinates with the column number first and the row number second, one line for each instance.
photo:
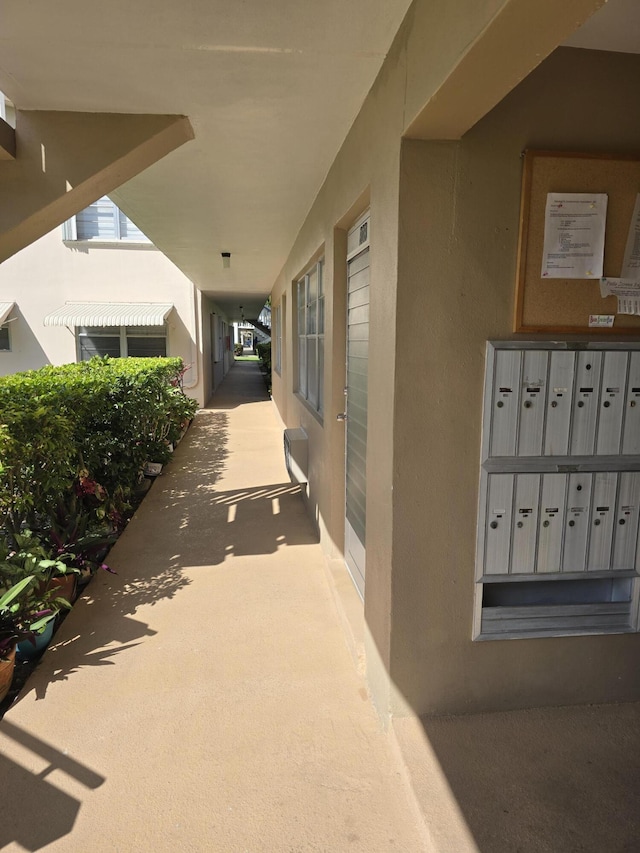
column 98, row 260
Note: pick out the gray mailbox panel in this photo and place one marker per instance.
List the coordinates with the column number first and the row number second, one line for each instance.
column 576, row 523
column 505, row 402
column 532, row 402
column 560, row 490
column 611, row 406
column 625, row 528
column 525, row 523
column 603, row 510
column 631, row 430
column 552, row 512
column 586, row 397
column 559, row 403
column 498, row 523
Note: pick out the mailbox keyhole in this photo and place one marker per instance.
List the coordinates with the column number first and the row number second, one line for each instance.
column 572, row 523
column 597, row 522
column 580, row 404
column 499, row 404
column 527, row 404
column 578, row 488
column 554, row 404
column 606, row 404
column 622, row 521
column 493, row 525
column 545, row 523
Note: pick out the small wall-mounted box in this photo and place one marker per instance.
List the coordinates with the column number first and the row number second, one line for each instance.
column 296, row 454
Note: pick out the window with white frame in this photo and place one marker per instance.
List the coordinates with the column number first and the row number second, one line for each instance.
column 277, row 337
column 121, row 341
column 103, row 222
column 5, row 340
column 310, row 308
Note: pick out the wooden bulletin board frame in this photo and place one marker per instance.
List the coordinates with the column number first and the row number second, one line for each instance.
column 564, row 305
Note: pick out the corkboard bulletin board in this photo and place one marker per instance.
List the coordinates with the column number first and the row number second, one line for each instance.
column 564, row 305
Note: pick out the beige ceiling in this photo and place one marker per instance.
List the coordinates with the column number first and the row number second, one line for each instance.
column 616, row 26
column 271, row 89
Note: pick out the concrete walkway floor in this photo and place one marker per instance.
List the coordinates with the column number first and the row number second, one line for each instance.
column 204, row 698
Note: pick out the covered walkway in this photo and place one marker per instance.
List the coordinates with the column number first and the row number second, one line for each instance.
column 204, row 698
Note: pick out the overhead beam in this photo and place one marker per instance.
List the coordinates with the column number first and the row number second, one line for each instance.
column 516, row 40
column 7, row 141
column 65, row 161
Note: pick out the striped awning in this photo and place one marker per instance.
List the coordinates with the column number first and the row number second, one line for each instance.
column 109, row 314
column 5, row 309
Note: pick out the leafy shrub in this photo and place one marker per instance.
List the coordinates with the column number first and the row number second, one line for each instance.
column 264, row 353
column 87, row 427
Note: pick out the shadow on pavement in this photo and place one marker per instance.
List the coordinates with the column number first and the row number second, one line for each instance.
column 563, row 779
column 35, row 811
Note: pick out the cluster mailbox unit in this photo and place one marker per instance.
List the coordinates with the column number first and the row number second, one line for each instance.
column 557, row 545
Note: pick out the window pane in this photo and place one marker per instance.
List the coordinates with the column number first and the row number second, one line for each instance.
column 312, row 371
column 90, row 346
column 302, row 366
column 321, row 316
column 320, row 278
column 97, row 222
column 320, row 374
column 312, row 311
column 146, row 347
column 278, row 338
column 312, row 293
column 129, row 231
column 4, row 338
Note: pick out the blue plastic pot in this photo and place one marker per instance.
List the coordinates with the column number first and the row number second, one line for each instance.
column 27, row 650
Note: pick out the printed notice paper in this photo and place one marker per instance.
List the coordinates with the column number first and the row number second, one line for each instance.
column 631, row 262
column 574, row 235
column 626, row 289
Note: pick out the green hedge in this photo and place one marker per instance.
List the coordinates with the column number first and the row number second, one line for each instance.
column 88, row 427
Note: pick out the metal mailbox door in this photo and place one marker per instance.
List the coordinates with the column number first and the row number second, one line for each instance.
column 576, row 529
column 612, row 397
column 498, row 521
column 559, row 400
column 585, row 403
column 603, row 506
column 551, row 525
column 532, row 402
column 504, row 411
column 631, row 430
column 525, row 523
column 625, row 528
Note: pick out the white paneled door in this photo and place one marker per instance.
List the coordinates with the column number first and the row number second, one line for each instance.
column 356, row 400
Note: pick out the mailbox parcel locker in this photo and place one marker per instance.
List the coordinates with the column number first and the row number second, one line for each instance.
column 559, row 504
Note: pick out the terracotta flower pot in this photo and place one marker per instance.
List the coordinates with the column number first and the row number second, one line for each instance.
column 64, row 586
column 61, row 586
column 7, row 666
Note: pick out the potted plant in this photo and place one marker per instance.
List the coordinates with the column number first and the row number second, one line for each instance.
column 23, row 616
column 76, row 540
column 29, row 556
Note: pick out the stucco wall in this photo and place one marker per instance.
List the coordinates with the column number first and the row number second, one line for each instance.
column 365, row 172
column 48, row 273
column 459, row 211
